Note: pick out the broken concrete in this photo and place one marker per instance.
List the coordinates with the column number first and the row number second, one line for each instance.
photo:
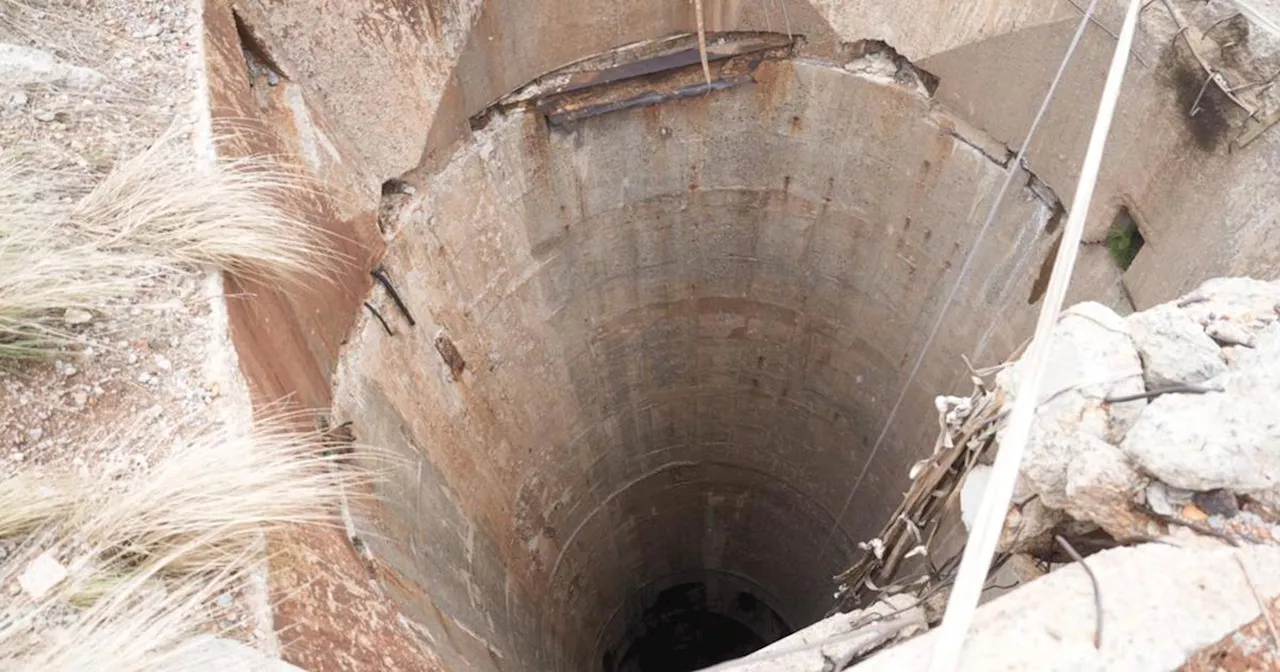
column 1093, row 358
column 1092, row 458
column 830, row 644
column 671, row 332
column 1160, row 604
column 1175, row 350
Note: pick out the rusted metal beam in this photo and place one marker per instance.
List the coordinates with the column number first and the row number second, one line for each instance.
column 667, row 77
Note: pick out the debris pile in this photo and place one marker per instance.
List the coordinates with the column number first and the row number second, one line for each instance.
column 1151, row 426
column 1165, row 417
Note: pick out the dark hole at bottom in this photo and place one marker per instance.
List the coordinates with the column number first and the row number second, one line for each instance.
column 679, row 632
column 692, row 641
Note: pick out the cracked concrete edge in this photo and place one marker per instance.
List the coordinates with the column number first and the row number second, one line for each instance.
column 1161, row 603
column 233, row 407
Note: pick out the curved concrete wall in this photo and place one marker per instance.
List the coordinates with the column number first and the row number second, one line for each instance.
column 682, row 328
column 656, row 349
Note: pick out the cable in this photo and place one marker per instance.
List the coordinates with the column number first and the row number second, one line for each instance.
column 985, row 533
column 1011, row 170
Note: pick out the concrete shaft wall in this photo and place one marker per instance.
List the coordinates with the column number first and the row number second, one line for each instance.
column 657, row 348
column 683, row 328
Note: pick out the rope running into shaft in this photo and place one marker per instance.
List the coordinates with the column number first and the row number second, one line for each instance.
column 1010, row 172
column 985, row 533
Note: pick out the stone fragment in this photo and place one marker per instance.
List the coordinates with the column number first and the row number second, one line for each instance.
column 1092, row 358
column 76, row 316
column 1175, row 350
column 1209, row 441
column 42, row 575
column 1100, row 485
column 1165, row 500
column 25, row 66
column 1229, row 333
column 1243, row 301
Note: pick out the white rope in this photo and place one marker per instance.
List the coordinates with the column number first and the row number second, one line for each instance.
column 995, row 502
column 1010, row 171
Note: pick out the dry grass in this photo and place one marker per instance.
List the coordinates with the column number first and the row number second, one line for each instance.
column 66, row 242
column 146, row 557
column 233, row 218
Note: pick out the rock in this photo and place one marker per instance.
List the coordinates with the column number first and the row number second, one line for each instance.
column 1092, row 357
column 224, row 601
column 1217, row 503
column 206, row 653
column 79, row 398
column 42, row 575
column 35, row 433
column 1174, row 349
column 832, row 642
column 1165, row 500
column 1100, row 485
column 25, row 66
column 16, row 100
column 1160, row 603
column 1244, row 301
column 1209, row 441
column 45, row 116
column 76, row 316
column 1229, row 333
column 975, row 486
column 1027, row 527
column 152, row 30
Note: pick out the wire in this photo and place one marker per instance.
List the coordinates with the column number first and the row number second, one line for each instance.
column 1010, row 171
column 985, row 532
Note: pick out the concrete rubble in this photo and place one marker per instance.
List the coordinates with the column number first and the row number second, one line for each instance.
column 831, row 643
column 1158, row 427
column 1160, row 604
column 1205, row 420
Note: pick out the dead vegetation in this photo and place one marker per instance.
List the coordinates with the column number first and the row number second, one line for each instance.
column 129, row 568
column 68, row 243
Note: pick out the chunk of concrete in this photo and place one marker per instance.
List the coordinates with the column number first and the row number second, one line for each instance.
column 1208, row 441
column 1243, row 301
column 41, row 576
column 25, row 66
column 1099, row 486
column 832, row 642
column 206, row 653
column 1175, row 350
column 1092, row 357
column 1160, row 604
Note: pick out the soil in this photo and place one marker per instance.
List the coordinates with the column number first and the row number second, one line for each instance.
column 152, row 365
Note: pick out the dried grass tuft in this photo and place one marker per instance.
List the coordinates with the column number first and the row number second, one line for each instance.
column 146, row 557
column 234, row 217
column 66, row 242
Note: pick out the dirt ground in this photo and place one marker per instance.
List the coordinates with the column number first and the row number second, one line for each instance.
column 151, row 365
